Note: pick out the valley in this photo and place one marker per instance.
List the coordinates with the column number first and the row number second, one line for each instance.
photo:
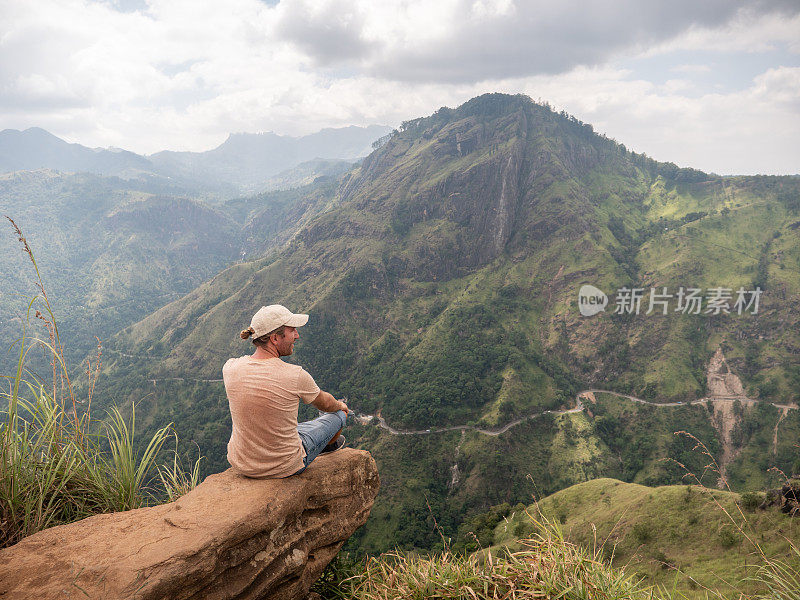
column 442, row 275
column 716, row 402
column 545, row 255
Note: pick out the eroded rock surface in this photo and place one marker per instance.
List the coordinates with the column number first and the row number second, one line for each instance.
column 231, row 537
column 722, row 383
column 724, row 391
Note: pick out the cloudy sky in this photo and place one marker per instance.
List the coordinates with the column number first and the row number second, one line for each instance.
column 713, row 84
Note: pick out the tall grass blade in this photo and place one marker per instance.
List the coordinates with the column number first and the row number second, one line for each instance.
column 53, row 468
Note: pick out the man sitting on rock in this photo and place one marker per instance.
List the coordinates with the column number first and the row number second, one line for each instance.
column 264, row 394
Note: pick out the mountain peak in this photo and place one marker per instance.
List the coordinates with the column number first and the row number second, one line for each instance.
column 31, row 133
column 37, row 148
column 40, row 132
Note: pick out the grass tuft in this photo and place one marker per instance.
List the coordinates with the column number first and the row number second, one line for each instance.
column 548, row 566
column 781, row 578
column 57, row 464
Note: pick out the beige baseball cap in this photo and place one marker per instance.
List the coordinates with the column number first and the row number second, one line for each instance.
column 269, row 318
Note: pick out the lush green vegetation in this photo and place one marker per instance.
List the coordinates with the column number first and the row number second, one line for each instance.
column 111, row 250
column 441, row 275
column 685, row 537
column 57, row 464
column 439, row 299
column 599, row 540
column 116, row 250
column 546, row 566
column 642, row 437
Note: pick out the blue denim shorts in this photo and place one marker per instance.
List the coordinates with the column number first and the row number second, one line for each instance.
column 316, row 434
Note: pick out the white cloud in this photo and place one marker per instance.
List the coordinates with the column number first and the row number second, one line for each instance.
column 182, row 74
column 691, row 69
column 750, row 30
column 750, row 131
column 466, row 41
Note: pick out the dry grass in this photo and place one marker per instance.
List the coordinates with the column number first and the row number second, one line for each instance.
column 548, row 566
column 780, row 578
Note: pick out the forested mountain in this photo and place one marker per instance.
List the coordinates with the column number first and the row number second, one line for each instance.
column 442, row 279
column 111, row 251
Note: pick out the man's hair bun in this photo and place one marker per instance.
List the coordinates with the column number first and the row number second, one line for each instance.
column 246, row 333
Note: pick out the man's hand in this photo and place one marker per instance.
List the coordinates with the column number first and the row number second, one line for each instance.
column 327, row 403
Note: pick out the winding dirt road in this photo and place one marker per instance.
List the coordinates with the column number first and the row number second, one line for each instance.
column 578, row 408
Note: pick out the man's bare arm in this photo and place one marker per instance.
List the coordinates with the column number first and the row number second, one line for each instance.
column 327, row 403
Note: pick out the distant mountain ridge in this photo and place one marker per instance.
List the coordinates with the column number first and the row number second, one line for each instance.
column 36, row 148
column 243, row 164
column 251, row 159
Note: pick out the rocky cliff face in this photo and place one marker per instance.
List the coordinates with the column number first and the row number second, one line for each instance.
column 231, row 537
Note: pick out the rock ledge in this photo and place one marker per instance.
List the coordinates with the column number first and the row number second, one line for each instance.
column 231, row 537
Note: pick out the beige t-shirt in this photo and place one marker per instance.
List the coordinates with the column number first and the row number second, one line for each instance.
column 264, row 395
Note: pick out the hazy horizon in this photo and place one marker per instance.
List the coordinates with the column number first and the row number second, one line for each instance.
column 228, row 136
column 714, row 86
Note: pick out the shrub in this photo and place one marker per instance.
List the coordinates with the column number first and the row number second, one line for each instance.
column 663, row 560
column 521, row 529
column 728, row 538
column 750, row 501
column 642, row 532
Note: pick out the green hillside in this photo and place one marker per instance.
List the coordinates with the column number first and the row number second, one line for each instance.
column 442, row 280
column 675, row 535
column 539, row 457
column 112, row 251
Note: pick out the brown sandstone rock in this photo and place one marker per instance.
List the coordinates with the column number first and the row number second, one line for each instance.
column 231, row 537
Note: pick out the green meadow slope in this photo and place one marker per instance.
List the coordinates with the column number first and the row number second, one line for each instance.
column 442, row 277
column 680, row 536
